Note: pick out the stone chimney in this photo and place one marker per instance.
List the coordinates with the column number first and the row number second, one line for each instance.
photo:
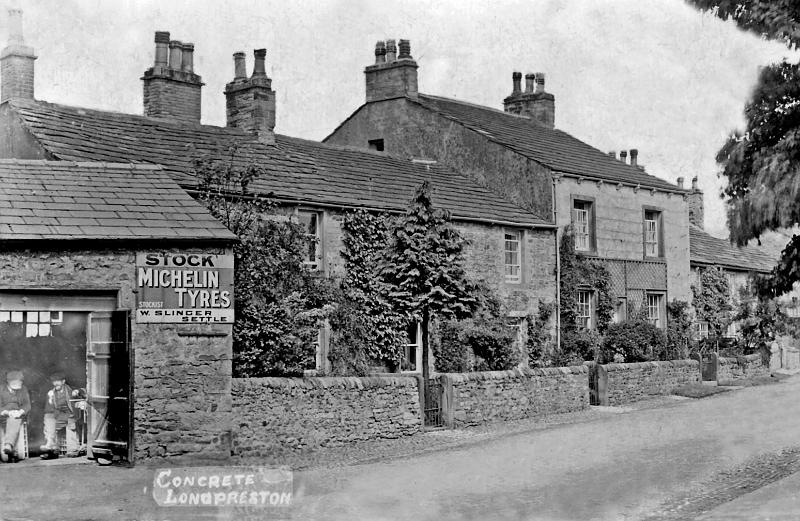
column 623, row 156
column 16, row 62
column 679, row 182
column 534, row 102
column 634, row 157
column 695, row 199
column 250, row 102
column 171, row 88
column 394, row 74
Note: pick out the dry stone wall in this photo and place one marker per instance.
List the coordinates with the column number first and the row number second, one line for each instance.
column 631, row 382
column 492, row 396
column 273, row 415
column 740, row 367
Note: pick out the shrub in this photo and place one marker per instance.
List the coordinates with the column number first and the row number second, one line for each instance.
column 633, row 341
column 539, row 341
column 493, row 345
column 679, row 332
column 350, row 340
column 577, row 346
column 450, row 352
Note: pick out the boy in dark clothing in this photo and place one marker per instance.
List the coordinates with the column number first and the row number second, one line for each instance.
column 15, row 404
column 59, row 413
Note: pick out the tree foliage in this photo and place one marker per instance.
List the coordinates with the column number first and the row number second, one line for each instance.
column 422, row 270
column 712, row 301
column 279, row 305
column 762, row 162
column 382, row 327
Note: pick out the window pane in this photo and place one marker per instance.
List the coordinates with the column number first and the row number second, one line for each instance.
column 512, row 259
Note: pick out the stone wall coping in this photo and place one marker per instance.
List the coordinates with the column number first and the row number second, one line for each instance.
column 730, row 360
column 643, row 365
column 325, row 382
column 516, row 373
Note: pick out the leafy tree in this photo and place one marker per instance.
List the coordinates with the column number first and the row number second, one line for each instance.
column 279, row 305
column 679, row 331
column 712, row 301
column 422, row 270
column 762, row 162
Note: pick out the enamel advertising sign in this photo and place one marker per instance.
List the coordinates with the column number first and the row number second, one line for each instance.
column 180, row 288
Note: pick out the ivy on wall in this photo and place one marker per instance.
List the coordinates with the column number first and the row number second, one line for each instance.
column 381, row 330
column 579, row 272
column 712, row 301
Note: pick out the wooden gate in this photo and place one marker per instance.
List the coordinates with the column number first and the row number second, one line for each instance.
column 598, row 385
column 433, row 402
column 709, row 364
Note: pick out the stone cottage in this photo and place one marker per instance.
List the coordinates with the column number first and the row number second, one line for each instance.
column 738, row 264
column 76, row 240
column 634, row 222
column 511, row 247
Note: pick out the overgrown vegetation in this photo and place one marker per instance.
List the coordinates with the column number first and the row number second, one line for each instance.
column 279, row 305
column 712, row 301
column 581, row 273
column 539, row 341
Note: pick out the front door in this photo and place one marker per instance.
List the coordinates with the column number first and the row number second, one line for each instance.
column 109, row 382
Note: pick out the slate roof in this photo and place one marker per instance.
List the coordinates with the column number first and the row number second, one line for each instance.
column 705, row 249
column 69, row 200
column 296, row 169
column 553, row 148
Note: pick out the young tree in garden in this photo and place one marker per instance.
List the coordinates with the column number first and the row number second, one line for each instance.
column 278, row 304
column 422, row 270
column 762, row 163
column 712, row 301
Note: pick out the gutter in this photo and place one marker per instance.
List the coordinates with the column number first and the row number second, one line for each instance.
column 498, row 222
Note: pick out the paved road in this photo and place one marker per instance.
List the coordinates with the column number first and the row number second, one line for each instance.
column 621, row 467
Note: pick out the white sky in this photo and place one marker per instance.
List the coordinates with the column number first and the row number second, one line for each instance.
column 657, row 75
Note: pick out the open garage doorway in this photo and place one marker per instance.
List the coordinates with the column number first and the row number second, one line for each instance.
column 85, row 340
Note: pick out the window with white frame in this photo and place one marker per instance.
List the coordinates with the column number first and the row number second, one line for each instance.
column 584, row 308
column 652, row 233
column 312, row 253
column 412, row 349
column 513, row 256
column 701, row 330
column 655, row 309
column 582, row 225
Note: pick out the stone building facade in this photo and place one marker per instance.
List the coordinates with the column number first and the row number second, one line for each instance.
column 634, row 222
column 71, row 233
column 511, row 246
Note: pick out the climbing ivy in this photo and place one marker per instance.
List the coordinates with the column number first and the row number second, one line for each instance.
column 712, row 301
column 381, row 332
column 579, row 272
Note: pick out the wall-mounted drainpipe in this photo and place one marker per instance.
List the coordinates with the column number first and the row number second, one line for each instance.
column 558, row 268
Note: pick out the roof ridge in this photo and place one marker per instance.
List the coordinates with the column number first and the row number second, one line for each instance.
column 484, row 107
column 97, row 165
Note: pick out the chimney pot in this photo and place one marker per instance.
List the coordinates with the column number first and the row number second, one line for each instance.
column 539, row 82
column 175, row 54
column 694, row 183
column 15, row 27
column 380, row 52
column 634, row 157
column 404, row 47
column 516, row 80
column 259, row 67
column 391, row 51
column 187, row 57
column 679, row 182
column 613, row 154
column 623, row 156
column 529, row 83
column 162, row 49
column 239, row 66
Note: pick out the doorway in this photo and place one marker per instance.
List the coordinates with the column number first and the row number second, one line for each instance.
column 91, row 349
